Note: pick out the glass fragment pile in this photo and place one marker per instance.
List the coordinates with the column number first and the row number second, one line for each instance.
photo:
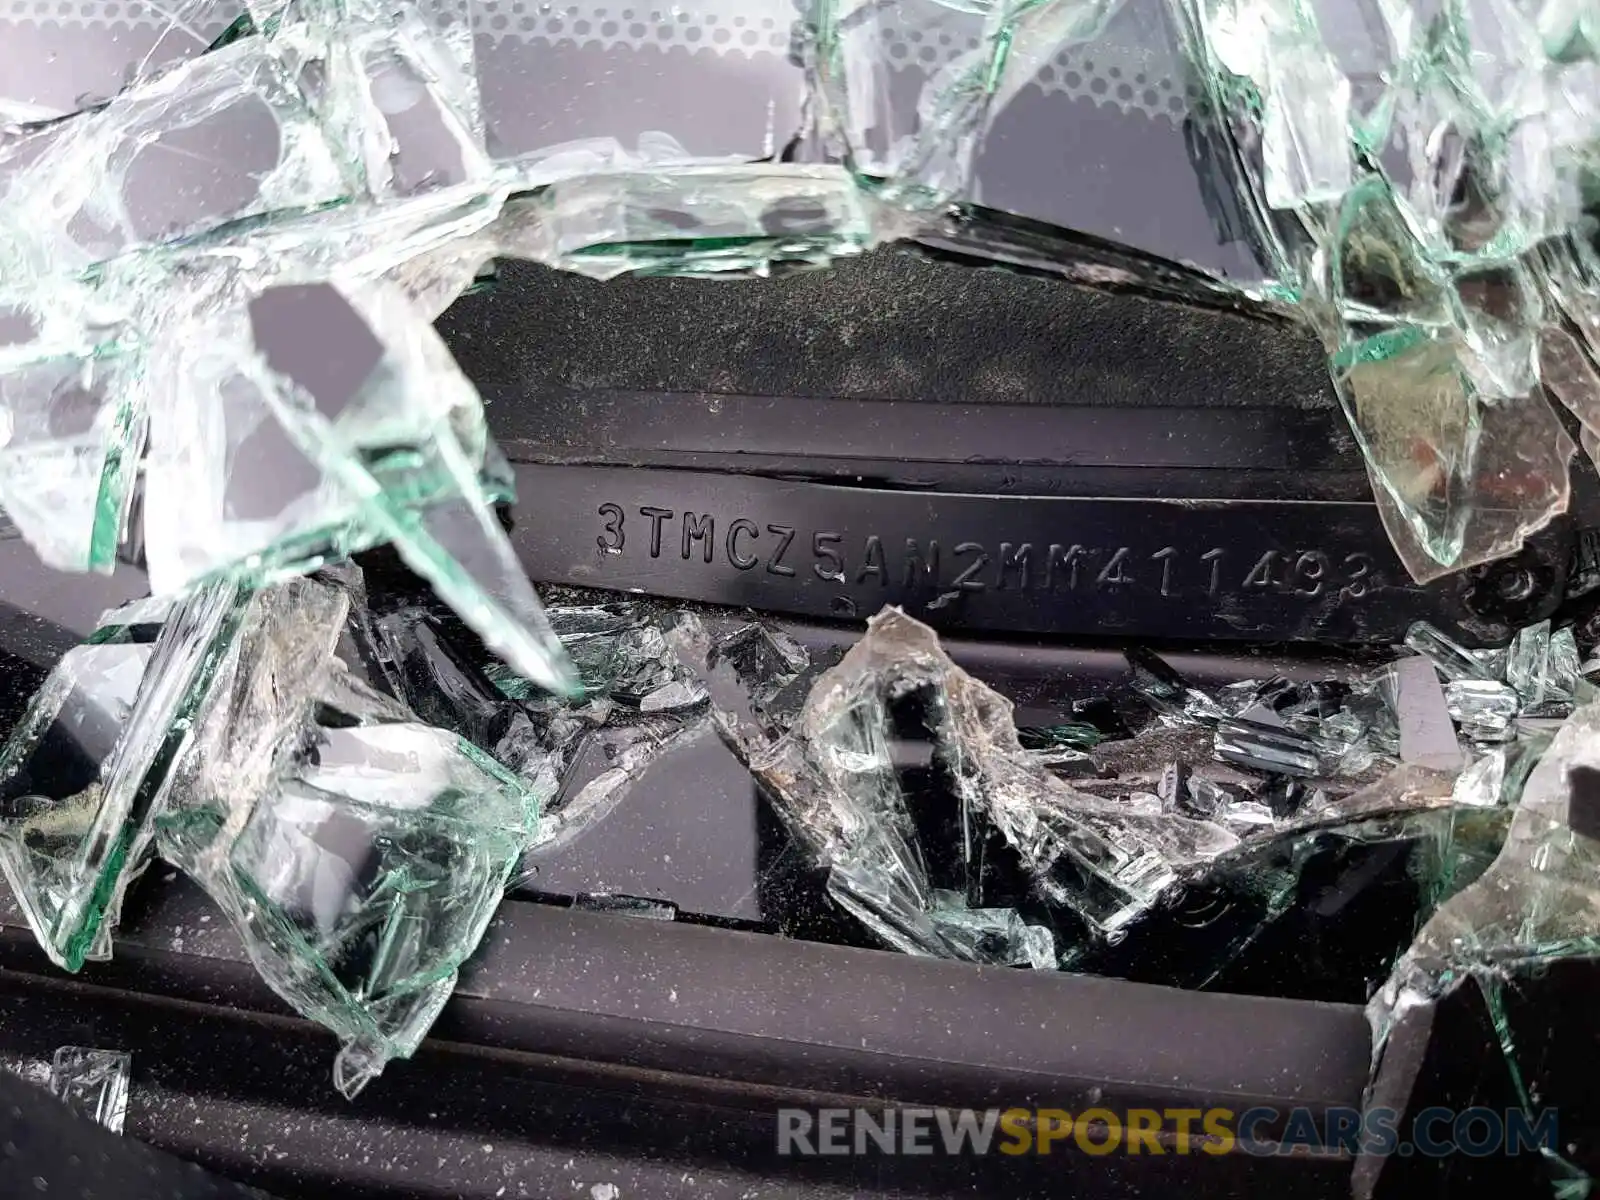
column 217, row 282
column 1229, row 792
column 219, row 265
column 355, row 787
column 94, row 1082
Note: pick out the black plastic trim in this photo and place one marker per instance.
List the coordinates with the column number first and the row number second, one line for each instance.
column 704, row 1031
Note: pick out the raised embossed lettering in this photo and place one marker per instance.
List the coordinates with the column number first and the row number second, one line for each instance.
column 1358, row 575
column 775, row 564
column 1214, row 556
column 611, row 541
column 915, row 561
column 822, row 548
column 1306, row 574
column 1068, row 560
column 1115, row 572
column 1310, row 572
column 655, row 516
column 1260, row 575
column 731, row 543
column 968, row 580
column 1164, row 556
column 872, row 561
column 1014, row 559
column 698, row 529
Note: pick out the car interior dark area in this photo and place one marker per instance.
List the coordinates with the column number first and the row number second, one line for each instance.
column 858, row 598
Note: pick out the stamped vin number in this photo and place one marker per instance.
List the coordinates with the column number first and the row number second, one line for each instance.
column 895, row 564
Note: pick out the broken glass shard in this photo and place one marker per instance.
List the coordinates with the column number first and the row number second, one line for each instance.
column 748, row 220
column 224, row 479
column 260, row 701
column 1484, row 709
column 634, row 664
column 360, row 862
column 1526, row 664
column 1497, row 777
column 1265, row 747
column 675, row 695
column 405, row 89
column 765, row 660
column 1296, row 886
column 603, row 767
column 1065, row 762
column 139, row 620
column 94, row 1082
column 1427, row 737
column 1145, row 804
column 364, row 879
column 628, row 906
column 742, row 61
column 1536, row 902
column 1278, row 51
column 1173, row 790
column 1540, row 895
column 1283, row 796
column 1346, row 725
column 596, row 638
column 219, row 138
column 68, row 459
column 55, row 67
column 1071, row 736
column 1453, row 660
column 1243, row 816
column 443, row 688
column 626, row 663
column 82, row 771
column 1563, row 670
column 1570, row 376
column 753, row 675
column 833, row 779
column 996, row 935
column 1167, row 692
column 1347, row 742
column 1235, row 698
column 1206, row 800
column 910, row 87
column 1544, row 669
column 856, row 819
column 1370, row 708
column 370, row 433
column 358, row 649
column 1440, row 455
column 1399, row 205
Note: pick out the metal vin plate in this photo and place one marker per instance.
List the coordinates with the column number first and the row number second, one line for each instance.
column 1024, row 564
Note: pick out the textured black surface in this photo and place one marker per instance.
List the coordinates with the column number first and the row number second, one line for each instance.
column 889, row 325
column 46, row 1149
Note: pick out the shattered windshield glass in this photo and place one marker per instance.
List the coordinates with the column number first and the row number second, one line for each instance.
column 193, row 213
column 226, row 233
